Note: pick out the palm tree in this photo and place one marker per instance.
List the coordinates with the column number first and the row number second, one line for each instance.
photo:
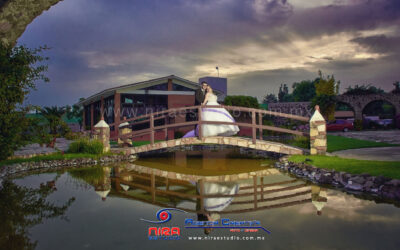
column 53, row 115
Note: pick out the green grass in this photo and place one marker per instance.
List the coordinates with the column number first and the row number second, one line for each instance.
column 55, row 156
column 141, row 143
column 386, row 168
column 336, row 143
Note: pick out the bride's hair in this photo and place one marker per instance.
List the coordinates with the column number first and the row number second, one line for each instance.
column 209, row 89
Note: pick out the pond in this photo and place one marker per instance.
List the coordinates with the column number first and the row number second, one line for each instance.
column 220, row 200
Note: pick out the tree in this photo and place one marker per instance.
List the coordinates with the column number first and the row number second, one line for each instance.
column 54, row 117
column 20, row 68
column 363, row 90
column 396, row 89
column 303, row 91
column 75, row 111
column 283, row 94
column 241, row 101
column 326, row 90
column 270, row 98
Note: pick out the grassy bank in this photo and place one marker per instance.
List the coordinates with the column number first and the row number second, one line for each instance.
column 386, row 168
column 336, row 143
column 55, row 156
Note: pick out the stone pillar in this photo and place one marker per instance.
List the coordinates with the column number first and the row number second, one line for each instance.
column 102, row 133
column 318, row 142
column 124, row 129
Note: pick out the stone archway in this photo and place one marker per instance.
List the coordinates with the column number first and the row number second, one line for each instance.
column 16, row 15
column 359, row 102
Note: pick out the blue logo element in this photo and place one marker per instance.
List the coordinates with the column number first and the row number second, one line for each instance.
column 163, row 215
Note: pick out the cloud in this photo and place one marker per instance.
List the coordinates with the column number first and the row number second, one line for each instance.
column 99, row 44
column 381, row 44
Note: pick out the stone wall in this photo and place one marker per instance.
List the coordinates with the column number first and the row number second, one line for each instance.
column 294, row 108
column 376, row 186
column 17, row 168
column 358, row 102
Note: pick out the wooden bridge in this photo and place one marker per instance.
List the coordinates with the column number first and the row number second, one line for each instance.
column 159, row 124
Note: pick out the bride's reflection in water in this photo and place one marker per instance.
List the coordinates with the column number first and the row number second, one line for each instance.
column 211, row 206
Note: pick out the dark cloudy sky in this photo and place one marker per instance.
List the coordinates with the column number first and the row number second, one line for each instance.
column 257, row 44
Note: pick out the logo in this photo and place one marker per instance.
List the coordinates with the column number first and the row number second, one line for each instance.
column 163, row 215
column 164, row 233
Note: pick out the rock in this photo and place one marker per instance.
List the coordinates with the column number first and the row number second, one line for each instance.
column 380, row 180
column 357, row 179
column 354, row 186
column 390, row 192
column 393, row 182
column 368, row 185
column 344, row 177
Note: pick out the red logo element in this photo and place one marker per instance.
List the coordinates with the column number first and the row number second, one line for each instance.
column 164, row 231
column 164, row 215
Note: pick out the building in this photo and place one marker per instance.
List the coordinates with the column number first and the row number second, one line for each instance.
column 218, row 84
column 140, row 98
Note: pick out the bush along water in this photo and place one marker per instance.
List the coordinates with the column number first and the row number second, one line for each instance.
column 86, row 146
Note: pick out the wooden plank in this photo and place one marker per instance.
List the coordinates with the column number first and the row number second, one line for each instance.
column 152, row 130
column 253, row 127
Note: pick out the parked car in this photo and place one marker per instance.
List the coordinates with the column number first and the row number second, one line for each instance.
column 340, row 125
column 385, row 122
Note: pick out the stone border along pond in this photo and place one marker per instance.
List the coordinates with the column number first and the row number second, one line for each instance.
column 17, row 168
column 376, row 186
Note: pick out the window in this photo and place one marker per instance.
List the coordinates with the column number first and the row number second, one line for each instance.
column 177, row 87
column 163, row 86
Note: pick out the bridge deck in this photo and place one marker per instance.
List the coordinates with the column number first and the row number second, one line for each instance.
column 234, row 141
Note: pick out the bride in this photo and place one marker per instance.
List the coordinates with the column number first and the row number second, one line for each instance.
column 216, row 114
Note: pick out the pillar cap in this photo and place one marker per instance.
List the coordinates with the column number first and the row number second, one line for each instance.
column 101, row 124
column 317, row 115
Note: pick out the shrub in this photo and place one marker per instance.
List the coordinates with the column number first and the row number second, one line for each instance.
column 358, row 125
column 73, row 135
column 178, row 134
column 86, row 146
column 301, row 141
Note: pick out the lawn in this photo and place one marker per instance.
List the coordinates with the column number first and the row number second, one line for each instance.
column 336, row 143
column 386, row 168
column 55, row 156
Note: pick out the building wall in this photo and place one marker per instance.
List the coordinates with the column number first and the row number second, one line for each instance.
column 177, row 101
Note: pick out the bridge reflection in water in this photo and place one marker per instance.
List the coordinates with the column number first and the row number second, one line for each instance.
column 209, row 195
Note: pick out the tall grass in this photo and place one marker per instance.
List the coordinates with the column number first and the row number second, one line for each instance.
column 87, row 146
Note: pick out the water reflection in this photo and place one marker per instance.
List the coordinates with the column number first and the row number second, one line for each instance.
column 112, row 199
column 208, row 195
column 21, row 208
column 207, row 162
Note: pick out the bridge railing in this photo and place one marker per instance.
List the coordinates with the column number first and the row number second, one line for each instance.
column 256, row 123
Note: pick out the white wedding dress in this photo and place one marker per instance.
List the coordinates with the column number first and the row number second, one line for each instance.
column 217, row 114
